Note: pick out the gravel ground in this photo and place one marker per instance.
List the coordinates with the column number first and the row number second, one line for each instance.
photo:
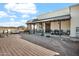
column 64, row 47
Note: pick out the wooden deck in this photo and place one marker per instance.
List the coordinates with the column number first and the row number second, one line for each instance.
column 13, row 45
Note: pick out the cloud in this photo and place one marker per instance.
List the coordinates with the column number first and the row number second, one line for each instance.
column 23, row 21
column 38, row 1
column 25, row 16
column 12, row 19
column 24, row 8
column 12, row 16
column 13, row 24
column 2, row 14
column 34, row 17
column 18, row 1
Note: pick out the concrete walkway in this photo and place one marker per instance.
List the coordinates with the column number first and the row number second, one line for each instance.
column 13, row 45
column 65, row 47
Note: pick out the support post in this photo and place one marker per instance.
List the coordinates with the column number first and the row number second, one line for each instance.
column 60, row 29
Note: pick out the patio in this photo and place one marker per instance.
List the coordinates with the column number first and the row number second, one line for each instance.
column 14, row 45
column 67, row 46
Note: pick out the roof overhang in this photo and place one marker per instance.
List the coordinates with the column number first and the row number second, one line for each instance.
column 64, row 17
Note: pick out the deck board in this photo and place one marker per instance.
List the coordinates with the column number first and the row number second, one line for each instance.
column 13, row 45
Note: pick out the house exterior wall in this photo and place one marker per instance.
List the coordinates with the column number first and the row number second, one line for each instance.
column 64, row 11
column 10, row 29
column 55, row 25
column 37, row 26
column 70, row 24
column 74, row 20
column 29, row 27
column 65, row 25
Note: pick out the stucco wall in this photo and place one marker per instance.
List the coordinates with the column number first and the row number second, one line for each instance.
column 29, row 26
column 38, row 26
column 65, row 25
column 74, row 19
column 54, row 25
column 60, row 12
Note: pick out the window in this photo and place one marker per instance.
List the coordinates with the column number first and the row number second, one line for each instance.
column 77, row 29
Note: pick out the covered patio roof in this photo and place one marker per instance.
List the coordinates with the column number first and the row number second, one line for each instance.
column 57, row 18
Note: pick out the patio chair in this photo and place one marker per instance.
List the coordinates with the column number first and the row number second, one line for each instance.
column 56, row 32
column 52, row 32
column 68, row 32
column 48, row 31
column 61, row 32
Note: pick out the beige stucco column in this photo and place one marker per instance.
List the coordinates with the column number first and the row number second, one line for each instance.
column 44, row 27
column 37, row 26
column 33, row 28
column 29, row 26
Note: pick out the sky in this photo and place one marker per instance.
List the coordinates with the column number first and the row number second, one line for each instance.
column 17, row 14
